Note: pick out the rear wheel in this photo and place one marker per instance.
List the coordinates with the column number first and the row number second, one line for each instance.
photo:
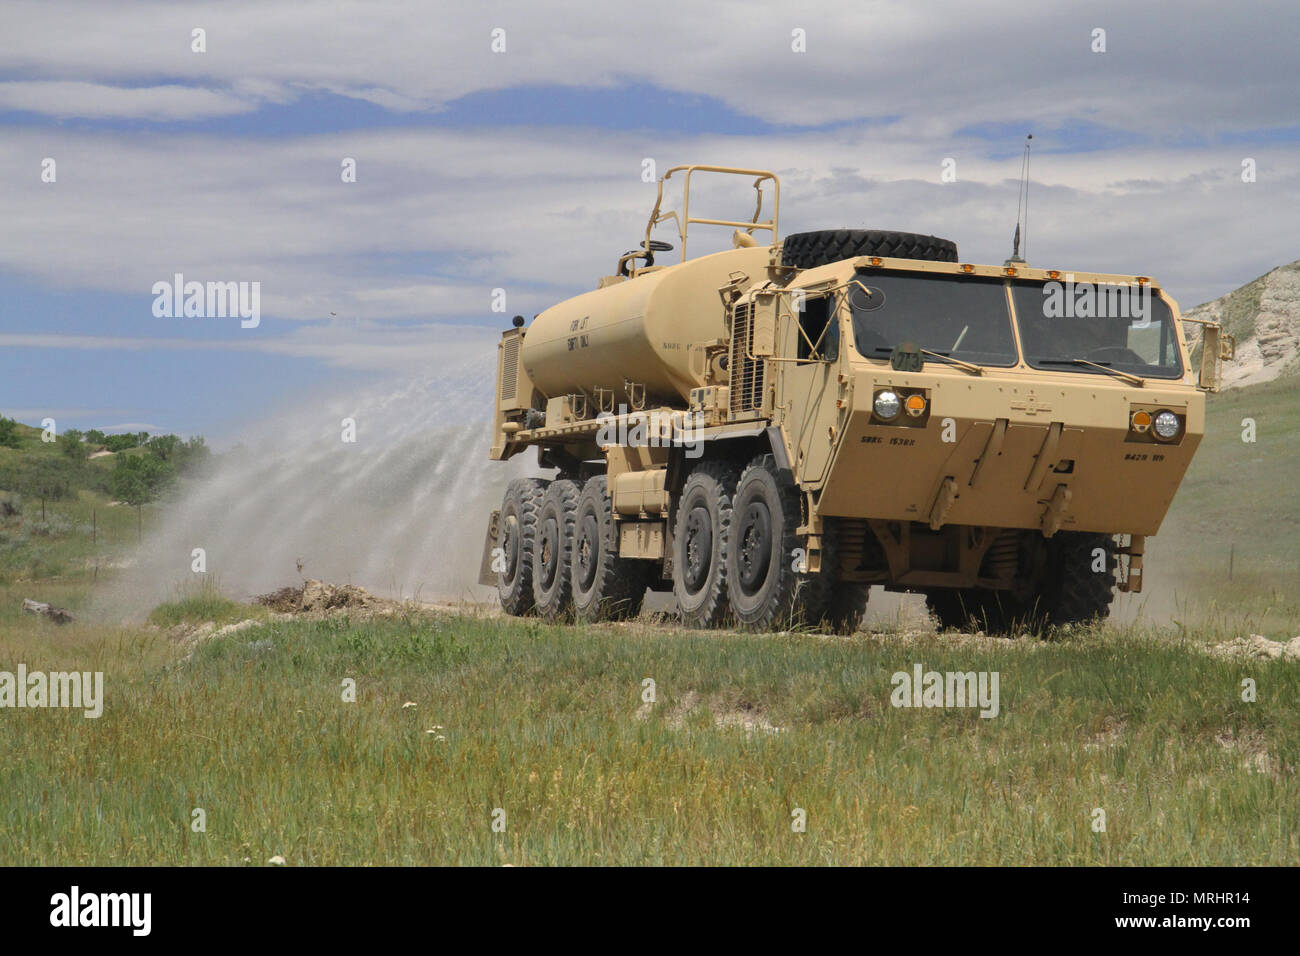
column 516, row 535
column 605, row 586
column 980, row 608
column 848, row 606
column 552, row 585
column 700, row 540
column 761, row 579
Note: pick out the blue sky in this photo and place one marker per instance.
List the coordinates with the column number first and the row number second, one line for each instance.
column 520, row 170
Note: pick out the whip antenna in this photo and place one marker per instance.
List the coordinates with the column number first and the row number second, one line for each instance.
column 1022, row 207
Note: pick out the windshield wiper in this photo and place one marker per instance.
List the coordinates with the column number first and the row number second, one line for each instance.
column 1126, row 376
column 965, row 366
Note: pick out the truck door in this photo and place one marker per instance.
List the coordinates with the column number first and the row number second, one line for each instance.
column 808, row 335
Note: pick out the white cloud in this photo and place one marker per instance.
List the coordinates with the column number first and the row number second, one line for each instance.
column 1172, row 67
column 69, row 98
column 439, row 218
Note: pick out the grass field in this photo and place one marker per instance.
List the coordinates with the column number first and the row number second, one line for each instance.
column 548, row 725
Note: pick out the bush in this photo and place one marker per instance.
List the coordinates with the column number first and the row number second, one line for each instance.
column 9, row 433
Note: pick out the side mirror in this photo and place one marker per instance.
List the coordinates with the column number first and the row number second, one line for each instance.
column 1217, row 347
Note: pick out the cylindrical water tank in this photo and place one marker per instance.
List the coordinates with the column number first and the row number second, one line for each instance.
column 637, row 330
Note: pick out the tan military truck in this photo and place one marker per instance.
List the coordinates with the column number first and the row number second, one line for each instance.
column 769, row 430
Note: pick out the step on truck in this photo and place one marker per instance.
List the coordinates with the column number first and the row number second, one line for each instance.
column 769, row 430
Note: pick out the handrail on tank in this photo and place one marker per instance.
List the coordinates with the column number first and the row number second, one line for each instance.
column 683, row 223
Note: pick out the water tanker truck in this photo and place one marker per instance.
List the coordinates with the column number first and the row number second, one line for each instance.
column 769, row 430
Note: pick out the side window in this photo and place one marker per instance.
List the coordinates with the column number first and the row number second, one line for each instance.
column 819, row 333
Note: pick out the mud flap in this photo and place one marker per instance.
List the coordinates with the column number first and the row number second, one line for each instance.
column 486, row 576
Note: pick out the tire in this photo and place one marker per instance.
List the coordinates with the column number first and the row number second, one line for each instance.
column 825, row 602
column 761, row 580
column 847, row 608
column 701, row 527
column 605, row 587
column 1075, row 592
column 805, row 250
column 552, row 550
column 1065, row 590
column 993, row 612
column 516, row 534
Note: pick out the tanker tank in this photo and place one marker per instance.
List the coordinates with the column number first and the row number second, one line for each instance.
column 640, row 329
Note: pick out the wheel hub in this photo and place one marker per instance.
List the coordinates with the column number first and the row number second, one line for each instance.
column 699, row 548
column 548, row 550
column 755, row 546
column 510, row 544
column 588, row 549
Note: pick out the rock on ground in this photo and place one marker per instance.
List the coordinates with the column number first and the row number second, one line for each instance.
column 1259, row 648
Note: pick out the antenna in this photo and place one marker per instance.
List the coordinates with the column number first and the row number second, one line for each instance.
column 1022, row 206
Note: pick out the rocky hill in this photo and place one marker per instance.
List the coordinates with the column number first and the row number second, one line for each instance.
column 1264, row 315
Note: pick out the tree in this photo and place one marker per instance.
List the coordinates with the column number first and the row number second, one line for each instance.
column 139, row 480
column 71, row 446
column 164, row 446
column 9, row 433
column 192, row 456
column 124, row 441
column 95, row 437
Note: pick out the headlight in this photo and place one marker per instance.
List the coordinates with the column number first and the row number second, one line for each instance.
column 1167, row 425
column 886, row 405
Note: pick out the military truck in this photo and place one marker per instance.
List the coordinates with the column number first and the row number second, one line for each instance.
column 769, row 430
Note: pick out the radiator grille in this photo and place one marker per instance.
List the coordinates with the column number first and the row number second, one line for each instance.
column 509, row 367
column 746, row 373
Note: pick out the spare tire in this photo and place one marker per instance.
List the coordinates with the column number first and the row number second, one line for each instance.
column 806, row 250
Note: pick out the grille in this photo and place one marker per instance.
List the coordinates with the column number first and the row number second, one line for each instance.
column 746, row 373
column 509, row 367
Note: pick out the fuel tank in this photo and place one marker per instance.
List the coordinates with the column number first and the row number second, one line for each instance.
column 640, row 330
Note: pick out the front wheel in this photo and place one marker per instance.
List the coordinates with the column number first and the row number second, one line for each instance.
column 762, row 560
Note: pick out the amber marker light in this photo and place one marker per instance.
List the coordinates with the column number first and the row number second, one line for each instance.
column 1141, row 422
column 915, row 405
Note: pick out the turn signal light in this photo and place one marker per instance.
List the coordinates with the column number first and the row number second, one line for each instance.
column 1141, row 422
column 915, row 405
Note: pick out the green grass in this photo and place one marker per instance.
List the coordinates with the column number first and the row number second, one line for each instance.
column 543, row 723
column 205, row 603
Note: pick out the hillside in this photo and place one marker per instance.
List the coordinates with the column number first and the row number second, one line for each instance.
column 1264, row 315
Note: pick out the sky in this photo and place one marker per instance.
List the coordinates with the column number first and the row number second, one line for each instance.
column 500, row 145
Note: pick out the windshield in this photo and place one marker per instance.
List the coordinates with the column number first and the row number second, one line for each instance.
column 1065, row 326
column 962, row 317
